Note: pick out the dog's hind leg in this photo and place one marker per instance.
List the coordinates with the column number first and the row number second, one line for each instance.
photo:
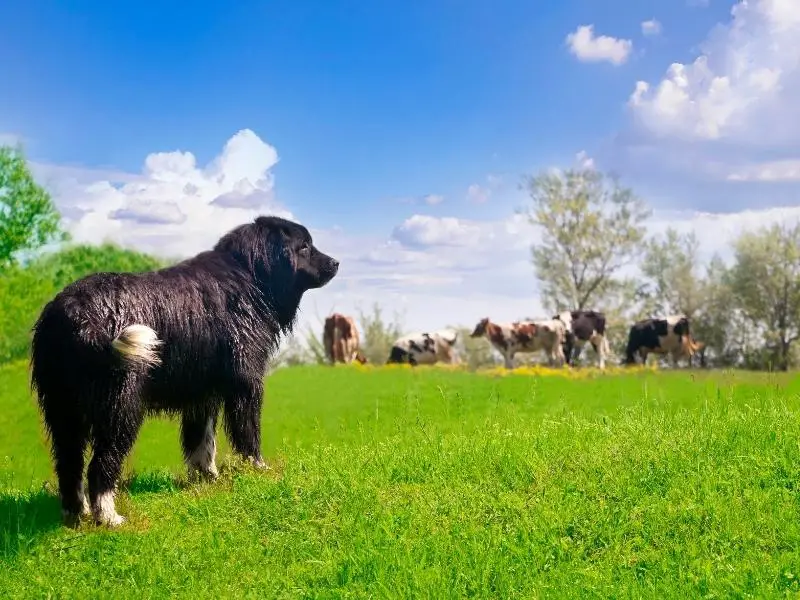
column 243, row 419
column 113, row 434
column 69, row 436
column 198, row 440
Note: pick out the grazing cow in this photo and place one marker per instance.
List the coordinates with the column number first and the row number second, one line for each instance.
column 340, row 338
column 524, row 336
column 670, row 335
column 191, row 339
column 584, row 326
column 425, row 348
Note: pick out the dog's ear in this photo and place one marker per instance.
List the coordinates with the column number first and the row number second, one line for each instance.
column 281, row 262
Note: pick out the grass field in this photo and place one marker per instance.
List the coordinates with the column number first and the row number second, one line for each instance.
column 438, row 484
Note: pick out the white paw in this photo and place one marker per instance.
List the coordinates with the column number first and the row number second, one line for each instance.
column 259, row 464
column 105, row 513
column 114, row 520
column 209, row 472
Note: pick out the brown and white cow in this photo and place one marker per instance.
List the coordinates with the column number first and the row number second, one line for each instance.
column 340, row 339
column 671, row 335
column 524, row 336
column 424, row 348
column 585, row 326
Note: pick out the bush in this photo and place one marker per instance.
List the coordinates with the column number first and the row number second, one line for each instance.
column 25, row 289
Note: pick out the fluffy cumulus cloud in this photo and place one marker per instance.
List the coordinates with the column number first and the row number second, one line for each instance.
column 174, row 206
column 744, row 86
column 720, row 133
column 588, row 47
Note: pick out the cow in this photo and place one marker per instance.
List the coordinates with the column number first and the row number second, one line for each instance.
column 584, row 326
column 524, row 336
column 425, row 348
column 340, row 339
column 670, row 335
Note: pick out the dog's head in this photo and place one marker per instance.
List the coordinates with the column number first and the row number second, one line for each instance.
column 281, row 256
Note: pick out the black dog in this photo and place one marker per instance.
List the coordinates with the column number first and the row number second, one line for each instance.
column 188, row 339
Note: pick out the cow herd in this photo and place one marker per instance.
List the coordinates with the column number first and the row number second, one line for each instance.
column 561, row 338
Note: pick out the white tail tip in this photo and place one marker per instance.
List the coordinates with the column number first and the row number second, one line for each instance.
column 139, row 343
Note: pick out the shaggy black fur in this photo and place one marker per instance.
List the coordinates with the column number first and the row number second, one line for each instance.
column 218, row 317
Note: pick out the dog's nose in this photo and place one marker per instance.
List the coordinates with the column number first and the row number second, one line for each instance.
column 335, row 264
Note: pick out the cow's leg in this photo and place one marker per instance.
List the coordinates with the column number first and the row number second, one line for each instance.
column 576, row 350
column 599, row 344
column 508, row 357
column 558, row 355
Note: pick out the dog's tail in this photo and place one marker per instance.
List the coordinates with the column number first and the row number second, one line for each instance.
column 138, row 344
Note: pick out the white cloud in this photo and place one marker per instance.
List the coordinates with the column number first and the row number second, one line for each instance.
column 433, row 199
column 588, row 47
column 174, row 206
column 774, row 171
column 478, row 194
column 584, row 160
column 744, row 87
column 651, row 27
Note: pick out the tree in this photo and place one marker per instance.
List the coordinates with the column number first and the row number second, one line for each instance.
column 591, row 228
column 28, row 216
column 378, row 335
column 674, row 284
column 766, row 280
column 24, row 289
column 721, row 324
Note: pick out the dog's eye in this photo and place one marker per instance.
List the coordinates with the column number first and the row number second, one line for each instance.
column 305, row 248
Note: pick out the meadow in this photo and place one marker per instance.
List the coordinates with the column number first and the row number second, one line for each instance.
column 392, row 482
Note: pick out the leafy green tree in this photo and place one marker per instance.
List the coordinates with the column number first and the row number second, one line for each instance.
column 591, row 228
column 24, row 290
column 765, row 278
column 28, row 216
column 674, row 280
column 476, row 353
column 377, row 334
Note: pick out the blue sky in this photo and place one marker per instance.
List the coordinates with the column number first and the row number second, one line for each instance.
column 372, row 106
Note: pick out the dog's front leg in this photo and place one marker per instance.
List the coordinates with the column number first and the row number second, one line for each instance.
column 243, row 421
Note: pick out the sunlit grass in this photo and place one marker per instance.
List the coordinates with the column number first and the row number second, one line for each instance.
column 399, row 482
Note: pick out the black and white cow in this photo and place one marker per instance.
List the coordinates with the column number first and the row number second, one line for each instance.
column 670, row 335
column 425, row 348
column 584, row 326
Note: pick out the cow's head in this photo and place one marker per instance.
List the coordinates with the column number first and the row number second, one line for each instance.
column 480, row 328
column 360, row 357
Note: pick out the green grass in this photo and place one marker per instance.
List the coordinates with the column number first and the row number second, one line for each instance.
column 428, row 483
